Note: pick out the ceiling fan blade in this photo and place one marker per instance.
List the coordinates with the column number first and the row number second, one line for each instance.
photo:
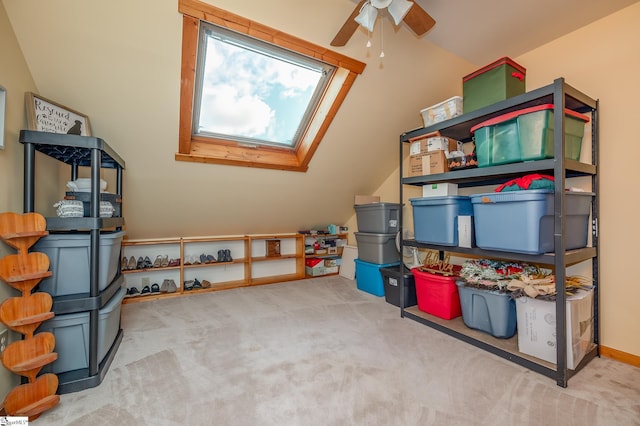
column 349, row 27
column 419, row 20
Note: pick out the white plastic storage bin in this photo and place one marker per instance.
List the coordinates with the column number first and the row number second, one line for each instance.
column 537, row 327
column 435, row 219
column 72, row 335
column 523, row 221
column 70, row 254
column 444, row 110
column 377, row 248
column 379, row 218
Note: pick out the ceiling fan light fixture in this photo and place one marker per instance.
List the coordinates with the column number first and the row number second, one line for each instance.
column 367, row 16
column 398, row 9
column 381, row 4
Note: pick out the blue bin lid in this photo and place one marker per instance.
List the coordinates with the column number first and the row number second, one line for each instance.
column 446, row 199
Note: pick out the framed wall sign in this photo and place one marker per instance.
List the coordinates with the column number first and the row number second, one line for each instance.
column 3, row 105
column 45, row 115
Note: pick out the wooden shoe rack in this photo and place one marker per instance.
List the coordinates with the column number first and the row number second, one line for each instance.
column 24, row 314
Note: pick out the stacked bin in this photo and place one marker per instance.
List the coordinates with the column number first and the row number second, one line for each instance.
column 376, row 237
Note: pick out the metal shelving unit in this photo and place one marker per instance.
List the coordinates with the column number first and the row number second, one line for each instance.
column 562, row 96
column 79, row 151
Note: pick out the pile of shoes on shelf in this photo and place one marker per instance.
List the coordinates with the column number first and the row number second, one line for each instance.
column 161, row 261
column 196, row 284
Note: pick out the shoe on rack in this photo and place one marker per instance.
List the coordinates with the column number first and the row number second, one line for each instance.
column 188, row 285
column 155, row 288
column 211, row 259
column 197, row 284
column 203, row 258
column 206, row 284
column 174, row 262
column 124, row 265
column 165, row 261
column 145, row 290
column 132, row 263
column 133, row 291
column 140, row 263
column 158, row 262
column 221, row 256
column 227, row 256
column 147, row 263
column 168, row 286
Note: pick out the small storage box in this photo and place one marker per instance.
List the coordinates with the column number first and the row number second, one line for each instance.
column 377, row 248
column 490, row 311
column 72, row 335
column 523, row 221
column 369, row 277
column 69, row 256
column 537, row 327
column 381, row 218
column 493, row 83
column 85, row 197
column 526, row 135
column 435, row 219
column 442, row 111
column 393, row 279
column 437, row 295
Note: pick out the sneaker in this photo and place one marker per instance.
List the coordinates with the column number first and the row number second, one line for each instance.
column 145, row 290
column 188, row 285
column 227, row 256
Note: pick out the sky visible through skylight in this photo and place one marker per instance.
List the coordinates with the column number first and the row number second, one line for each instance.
column 253, row 95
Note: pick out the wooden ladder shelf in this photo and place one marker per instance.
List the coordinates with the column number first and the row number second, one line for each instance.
column 24, row 314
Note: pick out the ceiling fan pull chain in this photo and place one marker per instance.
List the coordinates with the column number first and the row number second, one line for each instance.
column 382, row 40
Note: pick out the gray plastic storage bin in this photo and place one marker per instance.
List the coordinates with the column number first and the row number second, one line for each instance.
column 489, row 311
column 523, row 221
column 377, row 248
column 72, row 335
column 69, row 254
column 435, row 219
column 381, row 218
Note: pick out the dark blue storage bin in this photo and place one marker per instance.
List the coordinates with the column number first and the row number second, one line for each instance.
column 523, row 221
column 435, row 219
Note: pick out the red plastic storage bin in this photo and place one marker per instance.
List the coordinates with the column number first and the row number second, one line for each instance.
column 437, row 294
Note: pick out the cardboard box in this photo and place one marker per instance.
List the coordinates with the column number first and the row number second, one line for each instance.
column 430, row 144
column 537, row 327
column 435, row 162
column 366, row 199
column 439, row 189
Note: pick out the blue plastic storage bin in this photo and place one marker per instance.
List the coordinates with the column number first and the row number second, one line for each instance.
column 369, row 276
column 490, row 311
column 523, row 221
column 435, row 219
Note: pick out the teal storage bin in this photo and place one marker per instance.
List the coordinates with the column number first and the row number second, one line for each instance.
column 435, row 219
column 369, row 276
column 523, row 221
column 526, row 135
column 493, row 312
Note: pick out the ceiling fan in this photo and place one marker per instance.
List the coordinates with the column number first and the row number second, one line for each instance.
column 366, row 12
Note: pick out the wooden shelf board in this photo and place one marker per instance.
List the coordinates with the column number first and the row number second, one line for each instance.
column 33, row 319
column 162, row 268
column 33, row 363
column 282, row 256
column 151, row 241
column 275, row 279
column 457, row 324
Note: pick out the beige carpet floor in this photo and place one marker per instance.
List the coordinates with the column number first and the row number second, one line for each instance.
column 321, row 352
